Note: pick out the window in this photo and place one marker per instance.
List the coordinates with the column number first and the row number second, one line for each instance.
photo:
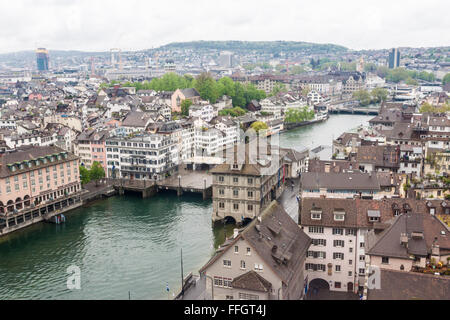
column 235, row 192
column 242, row 264
column 362, row 258
column 227, row 263
column 258, row 267
column 227, row 282
column 248, row 251
column 236, row 249
column 235, row 179
column 315, row 229
column 350, row 273
column 221, row 192
column 385, row 260
column 316, row 215
column 250, row 194
column 362, row 271
column 338, row 243
column 316, row 254
column 250, row 181
column 339, row 216
column 350, row 249
column 361, row 245
column 338, row 231
column 350, row 262
column 350, row 232
column 250, row 207
column 221, row 179
column 337, row 285
column 319, row 242
column 235, row 206
column 338, row 255
column 221, row 205
column 374, row 219
column 248, row 296
column 218, row 281
column 337, row 268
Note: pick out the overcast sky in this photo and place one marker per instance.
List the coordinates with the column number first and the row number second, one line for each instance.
column 98, row 25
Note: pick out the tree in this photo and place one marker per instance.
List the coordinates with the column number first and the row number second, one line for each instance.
column 446, row 79
column 234, row 112
column 295, row 115
column 363, row 96
column 428, row 108
column 207, row 87
column 84, row 175
column 379, row 94
column 279, row 87
column 185, row 104
column 97, row 172
column 259, row 125
column 239, row 95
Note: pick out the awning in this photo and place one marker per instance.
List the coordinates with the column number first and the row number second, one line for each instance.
column 373, row 213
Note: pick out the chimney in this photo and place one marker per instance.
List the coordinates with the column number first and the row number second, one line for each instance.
column 274, row 248
column 235, row 233
column 404, row 240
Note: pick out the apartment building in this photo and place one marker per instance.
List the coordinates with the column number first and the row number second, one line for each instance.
column 90, row 146
column 241, row 191
column 36, row 182
column 145, row 157
column 264, row 261
column 340, row 185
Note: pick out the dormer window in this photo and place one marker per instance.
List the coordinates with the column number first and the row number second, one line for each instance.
column 374, row 215
column 316, row 214
column 339, row 215
column 235, row 166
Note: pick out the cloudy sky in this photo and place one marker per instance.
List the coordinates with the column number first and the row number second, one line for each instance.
column 98, row 25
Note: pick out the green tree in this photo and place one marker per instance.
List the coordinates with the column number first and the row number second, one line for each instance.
column 84, row 175
column 259, row 125
column 226, row 86
column 207, row 87
column 97, row 172
column 185, row 104
column 446, row 79
column 234, row 112
column 239, row 95
column 411, row 82
column 379, row 94
column 363, row 96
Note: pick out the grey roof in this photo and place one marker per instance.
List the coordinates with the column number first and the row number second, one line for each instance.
column 340, row 181
column 252, row 281
column 401, row 285
column 277, row 240
column 389, row 244
column 190, row 93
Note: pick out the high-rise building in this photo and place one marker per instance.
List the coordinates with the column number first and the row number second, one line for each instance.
column 226, row 59
column 42, row 59
column 394, row 58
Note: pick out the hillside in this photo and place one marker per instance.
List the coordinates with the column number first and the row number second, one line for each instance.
column 259, row 46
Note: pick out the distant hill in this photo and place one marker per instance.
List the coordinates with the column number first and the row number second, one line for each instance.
column 259, row 46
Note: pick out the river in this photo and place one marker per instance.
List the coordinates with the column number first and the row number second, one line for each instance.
column 126, row 246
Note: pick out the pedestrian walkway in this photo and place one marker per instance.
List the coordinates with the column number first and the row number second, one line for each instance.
column 288, row 198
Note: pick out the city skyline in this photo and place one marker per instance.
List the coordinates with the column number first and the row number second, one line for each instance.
column 94, row 26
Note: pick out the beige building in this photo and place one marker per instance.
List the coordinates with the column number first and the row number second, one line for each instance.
column 37, row 183
column 243, row 190
column 264, row 261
